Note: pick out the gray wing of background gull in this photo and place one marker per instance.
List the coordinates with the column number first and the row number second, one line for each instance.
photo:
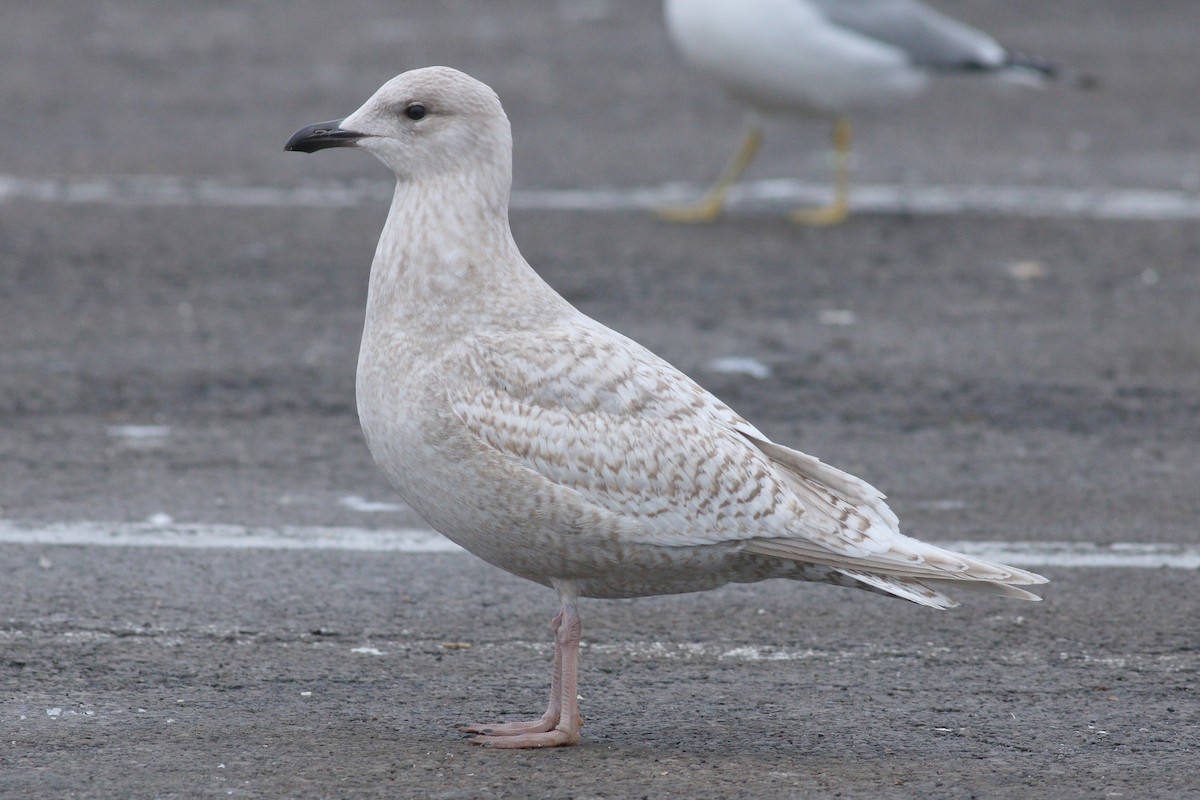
column 931, row 39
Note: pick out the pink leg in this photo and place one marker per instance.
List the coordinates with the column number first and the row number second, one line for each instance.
column 561, row 723
column 548, row 720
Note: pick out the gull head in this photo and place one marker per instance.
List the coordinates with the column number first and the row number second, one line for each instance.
column 423, row 124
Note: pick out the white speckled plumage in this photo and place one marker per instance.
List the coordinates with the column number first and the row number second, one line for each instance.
column 558, row 449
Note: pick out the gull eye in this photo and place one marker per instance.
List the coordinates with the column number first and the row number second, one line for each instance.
column 415, row 111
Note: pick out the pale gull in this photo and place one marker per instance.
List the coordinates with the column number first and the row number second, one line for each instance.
column 557, row 449
column 825, row 58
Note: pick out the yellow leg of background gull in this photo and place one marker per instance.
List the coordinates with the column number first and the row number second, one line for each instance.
column 708, row 208
column 835, row 212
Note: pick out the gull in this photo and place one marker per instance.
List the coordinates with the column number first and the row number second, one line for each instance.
column 825, row 58
column 557, row 449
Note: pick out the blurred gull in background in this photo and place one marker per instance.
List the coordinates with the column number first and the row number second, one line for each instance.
column 826, row 58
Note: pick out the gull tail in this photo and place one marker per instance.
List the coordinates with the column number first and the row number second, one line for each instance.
column 931, row 592
column 848, row 529
column 1035, row 65
column 1029, row 69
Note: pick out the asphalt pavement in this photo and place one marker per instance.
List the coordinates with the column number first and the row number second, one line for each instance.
column 181, row 357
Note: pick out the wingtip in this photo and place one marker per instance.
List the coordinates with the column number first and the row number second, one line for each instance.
column 1026, row 578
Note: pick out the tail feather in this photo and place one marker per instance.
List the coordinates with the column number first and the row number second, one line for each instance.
column 849, row 529
column 992, row 587
column 929, row 592
column 908, row 558
column 1033, row 70
column 1015, row 59
column 913, row 591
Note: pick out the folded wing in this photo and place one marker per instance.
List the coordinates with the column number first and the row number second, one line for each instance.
column 606, row 418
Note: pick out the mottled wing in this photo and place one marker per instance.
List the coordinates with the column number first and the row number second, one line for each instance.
column 588, row 409
column 595, row 412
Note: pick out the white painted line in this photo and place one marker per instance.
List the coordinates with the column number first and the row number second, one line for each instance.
column 1083, row 554
column 492, row 649
column 167, row 190
column 356, row 503
column 729, row 651
column 138, row 431
column 231, row 537
column 416, row 540
column 1026, row 201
